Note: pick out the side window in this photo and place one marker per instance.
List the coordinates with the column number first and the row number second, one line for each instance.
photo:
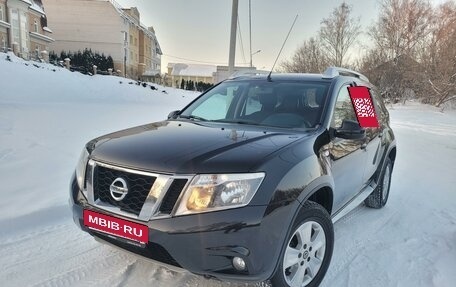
column 380, row 108
column 343, row 109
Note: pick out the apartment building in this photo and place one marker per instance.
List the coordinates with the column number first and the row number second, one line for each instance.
column 135, row 69
column 24, row 29
column 149, row 54
column 4, row 26
column 105, row 27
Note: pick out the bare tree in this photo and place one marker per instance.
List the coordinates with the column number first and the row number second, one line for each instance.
column 338, row 33
column 440, row 55
column 401, row 25
column 373, row 58
column 308, row 58
column 402, row 29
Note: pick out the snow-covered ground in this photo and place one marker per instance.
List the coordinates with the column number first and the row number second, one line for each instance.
column 46, row 117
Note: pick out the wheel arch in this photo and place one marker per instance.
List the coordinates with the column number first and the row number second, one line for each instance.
column 321, row 191
column 392, row 155
column 323, row 196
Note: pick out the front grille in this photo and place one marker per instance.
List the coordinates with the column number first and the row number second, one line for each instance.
column 139, row 201
column 138, row 188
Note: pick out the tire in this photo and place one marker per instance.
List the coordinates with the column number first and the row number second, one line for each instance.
column 307, row 259
column 379, row 197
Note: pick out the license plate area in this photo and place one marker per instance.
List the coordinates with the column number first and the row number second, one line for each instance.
column 113, row 226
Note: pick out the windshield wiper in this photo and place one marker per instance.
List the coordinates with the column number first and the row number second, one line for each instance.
column 192, row 117
column 241, row 122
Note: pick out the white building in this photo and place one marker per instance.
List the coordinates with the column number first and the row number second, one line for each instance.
column 23, row 28
column 189, row 72
column 105, row 27
column 222, row 72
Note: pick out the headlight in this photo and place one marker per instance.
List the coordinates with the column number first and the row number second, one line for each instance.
column 81, row 168
column 219, row 191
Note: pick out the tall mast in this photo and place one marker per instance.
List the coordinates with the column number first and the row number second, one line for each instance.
column 234, row 17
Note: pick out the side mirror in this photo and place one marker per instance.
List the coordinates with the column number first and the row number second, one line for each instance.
column 173, row 115
column 350, row 130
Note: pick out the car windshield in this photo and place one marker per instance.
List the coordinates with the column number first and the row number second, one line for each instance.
column 274, row 104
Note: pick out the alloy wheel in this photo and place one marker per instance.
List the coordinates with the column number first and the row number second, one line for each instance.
column 304, row 254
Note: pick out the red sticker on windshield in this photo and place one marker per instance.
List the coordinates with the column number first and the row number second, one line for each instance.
column 364, row 108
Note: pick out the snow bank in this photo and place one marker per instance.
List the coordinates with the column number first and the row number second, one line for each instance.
column 46, row 116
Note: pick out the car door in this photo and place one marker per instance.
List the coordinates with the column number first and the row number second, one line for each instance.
column 373, row 144
column 346, row 155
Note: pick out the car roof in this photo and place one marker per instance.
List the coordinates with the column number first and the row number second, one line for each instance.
column 304, row 77
column 283, row 77
column 330, row 74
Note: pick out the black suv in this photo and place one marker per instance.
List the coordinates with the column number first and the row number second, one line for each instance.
column 244, row 183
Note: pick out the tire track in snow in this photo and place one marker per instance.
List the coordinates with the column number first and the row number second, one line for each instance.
column 343, row 258
column 59, row 254
column 72, row 254
column 196, row 281
column 5, row 152
column 123, row 276
column 441, row 129
column 105, row 264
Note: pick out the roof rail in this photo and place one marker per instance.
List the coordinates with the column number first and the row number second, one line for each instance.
column 333, row 72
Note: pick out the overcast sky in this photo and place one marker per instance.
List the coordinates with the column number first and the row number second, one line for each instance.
column 199, row 30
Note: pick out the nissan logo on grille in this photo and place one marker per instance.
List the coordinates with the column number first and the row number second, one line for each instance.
column 118, row 189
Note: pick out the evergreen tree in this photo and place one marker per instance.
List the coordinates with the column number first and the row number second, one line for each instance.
column 103, row 63
column 110, row 62
column 63, row 55
column 85, row 60
column 53, row 57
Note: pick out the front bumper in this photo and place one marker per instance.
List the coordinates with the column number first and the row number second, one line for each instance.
column 205, row 244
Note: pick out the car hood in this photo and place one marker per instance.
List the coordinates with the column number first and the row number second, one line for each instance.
column 190, row 147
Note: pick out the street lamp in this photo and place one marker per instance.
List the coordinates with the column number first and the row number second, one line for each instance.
column 251, row 55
